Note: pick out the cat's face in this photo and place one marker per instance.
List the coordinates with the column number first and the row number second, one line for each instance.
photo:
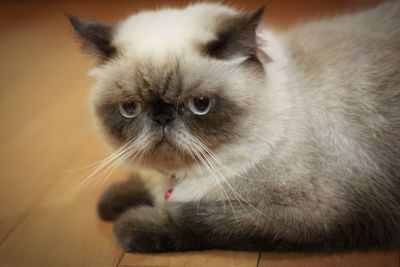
column 171, row 102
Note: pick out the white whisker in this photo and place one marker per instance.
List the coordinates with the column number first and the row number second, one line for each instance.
column 219, row 163
column 112, row 162
column 193, row 147
column 237, row 194
column 213, row 174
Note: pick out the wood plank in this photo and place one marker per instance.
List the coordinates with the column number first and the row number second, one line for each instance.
column 41, row 102
column 192, row 259
column 30, row 163
column 365, row 259
column 33, row 84
column 63, row 229
column 398, row 252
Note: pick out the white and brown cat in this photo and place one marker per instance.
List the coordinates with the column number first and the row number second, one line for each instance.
column 278, row 141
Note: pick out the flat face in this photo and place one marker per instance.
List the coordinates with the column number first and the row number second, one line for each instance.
column 173, row 90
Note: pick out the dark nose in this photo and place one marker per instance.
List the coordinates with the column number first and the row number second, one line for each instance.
column 163, row 113
column 163, row 119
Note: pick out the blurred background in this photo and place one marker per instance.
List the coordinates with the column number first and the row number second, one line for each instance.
column 48, row 145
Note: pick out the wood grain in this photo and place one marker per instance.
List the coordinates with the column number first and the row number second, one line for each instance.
column 46, row 134
column 62, row 229
column 365, row 259
column 192, row 259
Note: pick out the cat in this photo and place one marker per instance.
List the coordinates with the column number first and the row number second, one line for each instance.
column 276, row 140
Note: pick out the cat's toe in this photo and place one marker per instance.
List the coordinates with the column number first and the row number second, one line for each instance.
column 121, row 196
column 143, row 229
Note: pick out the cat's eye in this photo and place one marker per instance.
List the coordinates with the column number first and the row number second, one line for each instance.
column 130, row 109
column 200, row 105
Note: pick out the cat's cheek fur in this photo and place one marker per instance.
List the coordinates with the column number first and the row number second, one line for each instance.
column 220, row 125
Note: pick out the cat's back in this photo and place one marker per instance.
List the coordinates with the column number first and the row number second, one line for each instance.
column 349, row 41
column 347, row 72
column 351, row 62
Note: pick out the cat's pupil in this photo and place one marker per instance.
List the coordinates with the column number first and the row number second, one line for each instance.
column 201, row 103
column 129, row 107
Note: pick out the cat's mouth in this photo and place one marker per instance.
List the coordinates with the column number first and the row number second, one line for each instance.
column 164, row 141
column 165, row 154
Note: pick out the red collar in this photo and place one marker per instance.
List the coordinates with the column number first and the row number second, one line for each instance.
column 168, row 193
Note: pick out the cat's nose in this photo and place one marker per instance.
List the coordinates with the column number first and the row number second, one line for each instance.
column 163, row 113
column 163, row 119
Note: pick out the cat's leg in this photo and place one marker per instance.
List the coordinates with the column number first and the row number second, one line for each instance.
column 121, row 196
column 200, row 226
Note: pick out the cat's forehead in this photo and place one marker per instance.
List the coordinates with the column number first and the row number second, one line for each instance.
column 153, row 81
column 161, row 33
column 170, row 79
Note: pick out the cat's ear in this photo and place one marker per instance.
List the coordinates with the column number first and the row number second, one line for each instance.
column 96, row 36
column 236, row 36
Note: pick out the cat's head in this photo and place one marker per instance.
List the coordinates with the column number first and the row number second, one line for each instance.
column 173, row 84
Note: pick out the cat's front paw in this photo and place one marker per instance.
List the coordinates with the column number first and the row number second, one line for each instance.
column 122, row 196
column 144, row 229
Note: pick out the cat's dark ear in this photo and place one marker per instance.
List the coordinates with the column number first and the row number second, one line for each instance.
column 96, row 36
column 236, row 35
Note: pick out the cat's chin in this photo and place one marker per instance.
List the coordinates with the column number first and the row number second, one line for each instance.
column 163, row 146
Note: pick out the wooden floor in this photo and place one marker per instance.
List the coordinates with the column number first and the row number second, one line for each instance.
column 47, row 143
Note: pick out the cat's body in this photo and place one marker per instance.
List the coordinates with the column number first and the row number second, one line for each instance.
column 314, row 159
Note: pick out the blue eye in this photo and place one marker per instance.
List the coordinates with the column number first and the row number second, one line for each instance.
column 130, row 109
column 199, row 105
